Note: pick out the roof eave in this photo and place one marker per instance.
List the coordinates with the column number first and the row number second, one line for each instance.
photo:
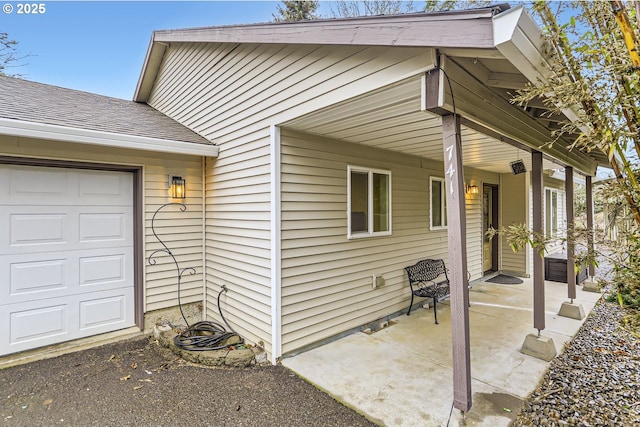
column 407, row 30
column 150, row 68
column 412, row 30
column 520, row 41
column 26, row 129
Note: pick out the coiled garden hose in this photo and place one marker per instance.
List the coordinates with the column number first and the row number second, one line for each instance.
column 207, row 335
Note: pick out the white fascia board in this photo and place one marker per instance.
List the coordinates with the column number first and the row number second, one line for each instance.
column 92, row 137
column 150, row 68
column 516, row 36
column 521, row 42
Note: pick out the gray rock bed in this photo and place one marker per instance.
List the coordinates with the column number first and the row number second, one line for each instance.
column 594, row 382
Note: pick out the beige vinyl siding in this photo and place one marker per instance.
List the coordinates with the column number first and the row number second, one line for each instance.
column 559, row 185
column 326, row 278
column 514, row 209
column 231, row 94
column 238, row 239
column 181, row 231
column 207, row 87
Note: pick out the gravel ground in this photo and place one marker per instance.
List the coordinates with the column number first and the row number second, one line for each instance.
column 594, row 382
column 139, row 383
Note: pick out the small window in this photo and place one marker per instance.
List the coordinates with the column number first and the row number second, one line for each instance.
column 551, row 212
column 369, row 201
column 438, row 203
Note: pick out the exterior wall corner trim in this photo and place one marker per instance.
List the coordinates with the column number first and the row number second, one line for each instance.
column 276, row 252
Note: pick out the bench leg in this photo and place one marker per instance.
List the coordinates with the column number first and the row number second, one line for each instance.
column 410, row 305
column 435, row 313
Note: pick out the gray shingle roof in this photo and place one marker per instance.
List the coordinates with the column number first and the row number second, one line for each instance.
column 41, row 103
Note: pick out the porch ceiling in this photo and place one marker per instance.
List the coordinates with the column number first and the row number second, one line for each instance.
column 391, row 118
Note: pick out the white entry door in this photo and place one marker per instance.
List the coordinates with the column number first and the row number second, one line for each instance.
column 66, row 254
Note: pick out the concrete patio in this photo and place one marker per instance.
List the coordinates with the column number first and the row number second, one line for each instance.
column 402, row 374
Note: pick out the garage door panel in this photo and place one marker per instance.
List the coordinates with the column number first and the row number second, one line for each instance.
column 28, row 185
column 102, row 312
column 105, row 188
column 46, row 275
column 41, row 323
column 32, row 229
column 37, row 276
column 102, row 226
column 35, row 229
column 100, row 270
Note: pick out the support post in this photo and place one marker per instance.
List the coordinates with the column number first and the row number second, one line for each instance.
column 590, row 285
column 456, row 220
column 571, row 273
column 570, row 309
column 538, row 260
column 538, row 346
column 591, row 233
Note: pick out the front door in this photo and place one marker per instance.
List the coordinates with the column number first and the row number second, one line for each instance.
column 489, row 219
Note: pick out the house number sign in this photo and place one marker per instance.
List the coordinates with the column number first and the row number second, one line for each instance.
column 451, row 170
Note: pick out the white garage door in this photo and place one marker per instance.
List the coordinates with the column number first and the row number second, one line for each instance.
column 66, row 254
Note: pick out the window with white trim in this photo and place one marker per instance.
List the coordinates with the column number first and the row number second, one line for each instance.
column 437, row 204
column 551, row 203
column 369, row 202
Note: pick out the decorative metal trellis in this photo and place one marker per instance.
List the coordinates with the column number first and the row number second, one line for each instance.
column 152, row 261
column 203, row 335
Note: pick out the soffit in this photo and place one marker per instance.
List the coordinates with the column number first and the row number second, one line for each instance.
column 391, row 119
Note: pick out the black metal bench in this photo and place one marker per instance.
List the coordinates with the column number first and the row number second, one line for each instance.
column 428, row 279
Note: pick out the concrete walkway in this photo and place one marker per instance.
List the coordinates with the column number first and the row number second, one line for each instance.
column 402, row 374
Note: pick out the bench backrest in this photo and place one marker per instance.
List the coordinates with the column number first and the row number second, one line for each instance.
column 426, row 270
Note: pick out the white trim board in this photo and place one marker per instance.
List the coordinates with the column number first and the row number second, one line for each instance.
column 91, row 137
column 276, row 249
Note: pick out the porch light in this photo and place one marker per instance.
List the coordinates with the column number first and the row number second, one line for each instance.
column 178, row 184
column 472, row 189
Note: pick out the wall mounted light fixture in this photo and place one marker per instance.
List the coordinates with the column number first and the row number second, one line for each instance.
column 472, row 189
column 177, row 185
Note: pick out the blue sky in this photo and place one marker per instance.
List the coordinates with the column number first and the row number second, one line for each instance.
column 99, row 47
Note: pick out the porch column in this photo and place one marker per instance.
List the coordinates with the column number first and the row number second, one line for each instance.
column 571, row 274
column 570, row 309
column 591, row 233
column 538, row 258
column 590, row 285
column 536, row 345
column 456, row 220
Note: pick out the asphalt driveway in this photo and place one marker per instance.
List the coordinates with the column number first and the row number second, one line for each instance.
column 139, row 383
